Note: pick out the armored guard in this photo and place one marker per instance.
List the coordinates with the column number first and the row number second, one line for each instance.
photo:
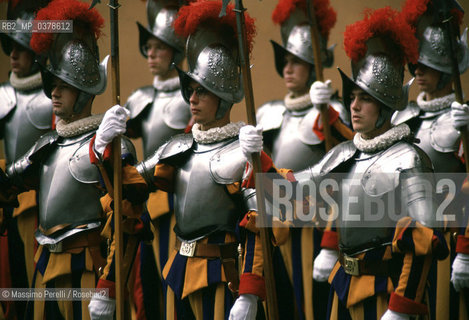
column 25, row 115
column 294, row 140
column 205, row 171
column 382, row 262
column 429, row 117
column 157, row 112
column 58, row 164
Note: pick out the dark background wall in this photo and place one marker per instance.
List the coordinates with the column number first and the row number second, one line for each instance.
column 267, row 84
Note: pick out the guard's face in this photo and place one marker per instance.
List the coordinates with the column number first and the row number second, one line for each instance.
column 427, row 78
column 159, row 56
column 296, row 74
column 21, row 60
column 204, row 104
column 63, row 97
column 364, row 113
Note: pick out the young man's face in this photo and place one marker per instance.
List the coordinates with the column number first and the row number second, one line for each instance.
column 159, row 56
column 364, row 112
column 64, row 97
column 21, row 60
column 427, row 78
column 204, row 104
column 296, row 74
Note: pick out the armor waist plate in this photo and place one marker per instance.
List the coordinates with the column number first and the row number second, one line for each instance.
column 62, row 198
column 202, row 204
column 31, row 118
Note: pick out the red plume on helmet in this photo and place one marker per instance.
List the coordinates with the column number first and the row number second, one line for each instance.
column 387, row 24
column 325, row 13
column 206, row 13
column 412, row 10
column 66, row 10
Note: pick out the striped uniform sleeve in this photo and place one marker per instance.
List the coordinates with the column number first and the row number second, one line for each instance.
column 418, row 245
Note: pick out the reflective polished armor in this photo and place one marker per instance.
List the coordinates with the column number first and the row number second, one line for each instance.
column 394, row 176
column 25, row 116
column 436, row 136
column 202, row 203
column 163, row 114
column 68, row 194
column 294, row 144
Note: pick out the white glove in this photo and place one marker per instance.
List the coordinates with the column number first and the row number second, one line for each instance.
column 321, row 92
column 460, row 273
column 250, row 140
column 393, row 315
column 113, row 124
column 324, row 263
column 459, row 115
column 244, row 308
column 102, row 307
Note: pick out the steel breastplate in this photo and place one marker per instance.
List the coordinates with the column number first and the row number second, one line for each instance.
column 289, row 148
column 31, row 118
column 201, row 204
column 439, row 140
column 353, row 200
column 168, row 115
column 63, row 199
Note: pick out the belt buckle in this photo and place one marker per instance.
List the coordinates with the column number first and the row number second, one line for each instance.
column 187, row 249
column 351, row 266
column 54, row 247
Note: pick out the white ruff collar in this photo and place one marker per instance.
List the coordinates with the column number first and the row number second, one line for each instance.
column 436, row 104
column 170, row 84
column 75, row 128
column 216, row 134
column 27, row 83
column 297, row 103
column 382, row 141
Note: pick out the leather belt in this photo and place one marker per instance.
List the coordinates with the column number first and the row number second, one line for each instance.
column 357, row 267
column 79, row 240
column 87, row 239
column 205, row 250
column 225, row 251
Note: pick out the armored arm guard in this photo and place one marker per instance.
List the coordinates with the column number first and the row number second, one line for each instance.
column 176, row 145
column 22, row 169
column 418, row 196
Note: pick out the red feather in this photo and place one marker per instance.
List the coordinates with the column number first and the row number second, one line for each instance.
column 202, row 11
column 65, row 10
column 413, row 9
column 325, row 13
column 385, row 23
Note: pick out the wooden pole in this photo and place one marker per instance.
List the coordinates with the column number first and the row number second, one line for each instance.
column 117, row 164
column 271, row 294
column 319, row 75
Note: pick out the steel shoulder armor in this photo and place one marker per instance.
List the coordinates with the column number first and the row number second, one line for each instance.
column 26, row 122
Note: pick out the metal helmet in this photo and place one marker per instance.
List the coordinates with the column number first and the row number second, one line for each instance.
column 434, row 42
column 380, row 70
column 212, row 53
column 22, row 38
column 434, row 50
column 295, row 32
column 161, row 15
column 73, row 57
